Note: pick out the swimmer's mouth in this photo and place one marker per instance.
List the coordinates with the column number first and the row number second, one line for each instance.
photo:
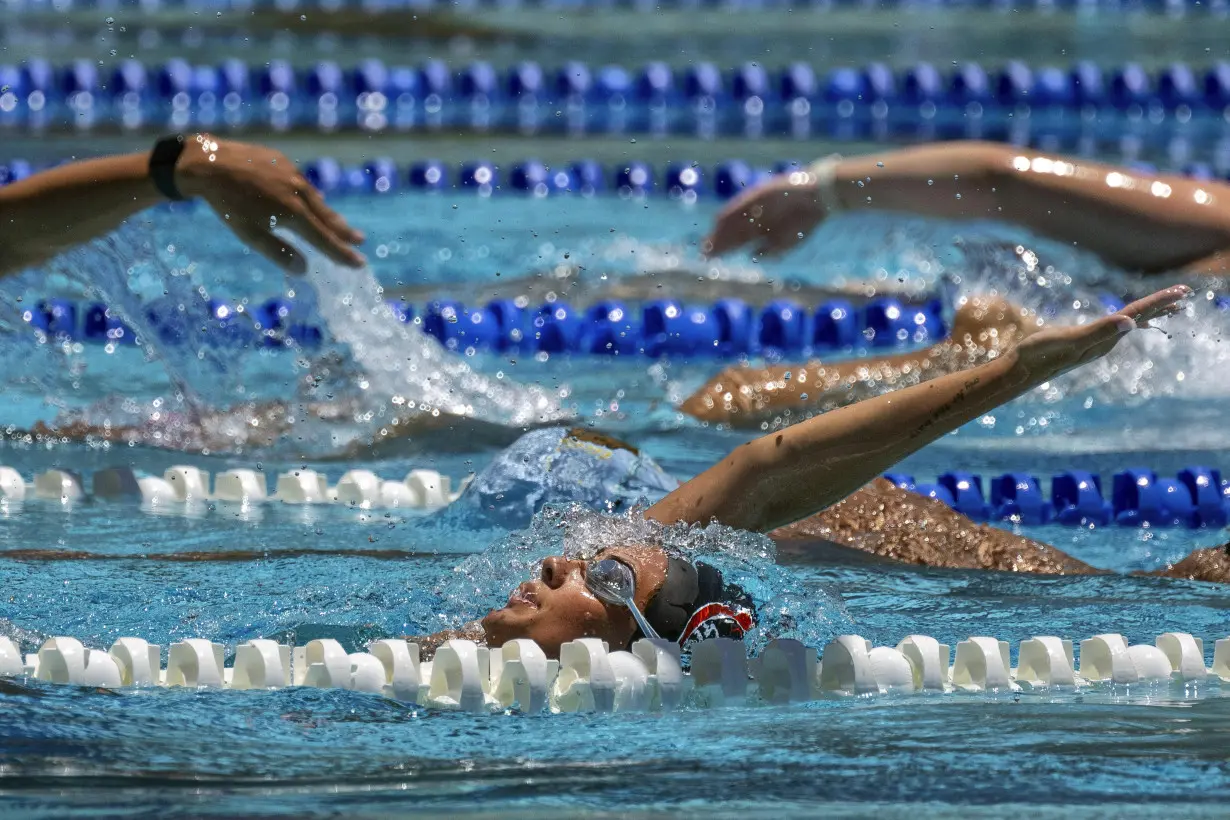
column 523, row 596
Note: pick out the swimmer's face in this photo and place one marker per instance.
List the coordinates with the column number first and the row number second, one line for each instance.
column 557, row 607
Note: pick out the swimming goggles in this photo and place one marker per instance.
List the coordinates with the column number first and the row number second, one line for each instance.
column 613, row 582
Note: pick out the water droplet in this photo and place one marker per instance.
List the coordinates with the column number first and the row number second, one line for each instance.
column 879, row 165
column 931, row 182
column 109, row 21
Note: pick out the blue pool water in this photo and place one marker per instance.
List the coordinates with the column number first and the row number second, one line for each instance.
column 1138, row 751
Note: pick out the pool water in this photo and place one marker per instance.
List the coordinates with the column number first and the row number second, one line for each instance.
column 1155, row 403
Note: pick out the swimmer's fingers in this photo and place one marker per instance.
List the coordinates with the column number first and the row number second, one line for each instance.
column 270, row 246
column 1102, row 336
column 307, row 224
column 331, row 218
column 1163, row 303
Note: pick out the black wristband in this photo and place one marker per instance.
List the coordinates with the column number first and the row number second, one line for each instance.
column 162, row 165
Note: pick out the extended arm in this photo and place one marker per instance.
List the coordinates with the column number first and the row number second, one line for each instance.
column 1147, row 222
column 782, row 477
column 246, row 184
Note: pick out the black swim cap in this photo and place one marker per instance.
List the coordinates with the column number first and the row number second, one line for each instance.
column 694, row 604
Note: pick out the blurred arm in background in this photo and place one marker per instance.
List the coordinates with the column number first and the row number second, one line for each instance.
column 250, row 187
column 1152, row 223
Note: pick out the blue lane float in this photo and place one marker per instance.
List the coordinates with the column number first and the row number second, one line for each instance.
column 1197, row 497
column 574, row 99
column 662, row 327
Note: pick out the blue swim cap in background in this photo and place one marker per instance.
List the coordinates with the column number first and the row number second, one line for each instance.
column 560, row 465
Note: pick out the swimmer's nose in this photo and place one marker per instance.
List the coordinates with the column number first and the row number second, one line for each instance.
column 555, row 570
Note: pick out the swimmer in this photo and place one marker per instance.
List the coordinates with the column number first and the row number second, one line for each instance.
column 249, row 187
column 1153, row 223
column 1147, row 222
column 263, row 425
column 558, row 465
column 775, row 481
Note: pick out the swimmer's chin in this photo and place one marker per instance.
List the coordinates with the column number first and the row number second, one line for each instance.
column 503, row 624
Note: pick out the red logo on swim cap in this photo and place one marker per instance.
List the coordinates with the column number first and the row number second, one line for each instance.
column 716, row 620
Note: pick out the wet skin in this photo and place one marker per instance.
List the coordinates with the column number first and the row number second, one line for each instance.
column 557, row 607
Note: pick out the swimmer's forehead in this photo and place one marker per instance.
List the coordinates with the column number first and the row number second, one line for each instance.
column 589, row 553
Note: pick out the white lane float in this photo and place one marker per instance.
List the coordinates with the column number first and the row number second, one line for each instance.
column 241, row 487
column 261, row 664
column 1046, row 661
column 12, row 485
column 58, row 485
column 589, row 677
column 1109, row 658
column 187, row 485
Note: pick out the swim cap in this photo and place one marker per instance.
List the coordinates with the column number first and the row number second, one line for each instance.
column 694, row 604
column 558, row 465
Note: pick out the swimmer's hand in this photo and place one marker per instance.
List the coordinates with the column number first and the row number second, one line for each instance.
column 1054, row 351
column 254, row 189
column 772, row 217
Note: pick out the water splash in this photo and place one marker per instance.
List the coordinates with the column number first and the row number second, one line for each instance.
column 403, row 365
column 152, row 294
column 371, row 361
